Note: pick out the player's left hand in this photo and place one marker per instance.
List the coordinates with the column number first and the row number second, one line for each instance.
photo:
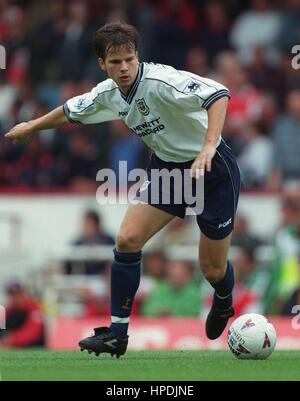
column 203, row 161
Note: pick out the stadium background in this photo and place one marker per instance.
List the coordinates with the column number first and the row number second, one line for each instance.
column 52, row 251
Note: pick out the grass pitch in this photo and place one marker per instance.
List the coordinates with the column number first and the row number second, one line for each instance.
column 145, row 365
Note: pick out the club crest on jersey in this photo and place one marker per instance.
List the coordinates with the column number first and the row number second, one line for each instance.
column 142, row 107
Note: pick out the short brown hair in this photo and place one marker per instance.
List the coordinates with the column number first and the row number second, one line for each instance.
column 114, row 35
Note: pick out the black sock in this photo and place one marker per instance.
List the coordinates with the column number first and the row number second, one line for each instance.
column 125, row 279
column 223, row 289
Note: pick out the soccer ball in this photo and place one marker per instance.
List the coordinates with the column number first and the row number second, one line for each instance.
column 251, row 336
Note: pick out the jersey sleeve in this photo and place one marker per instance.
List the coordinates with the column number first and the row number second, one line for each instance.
column 88, row 108
column 194, row 92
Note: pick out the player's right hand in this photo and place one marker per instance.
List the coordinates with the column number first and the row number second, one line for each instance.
column 20, row 133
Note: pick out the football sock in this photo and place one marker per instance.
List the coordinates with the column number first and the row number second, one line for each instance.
column 125, row 280
column 223, row 289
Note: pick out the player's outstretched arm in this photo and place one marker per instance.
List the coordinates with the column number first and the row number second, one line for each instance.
column 21, row 132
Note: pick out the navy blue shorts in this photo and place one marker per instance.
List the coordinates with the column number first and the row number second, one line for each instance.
column 221, row 192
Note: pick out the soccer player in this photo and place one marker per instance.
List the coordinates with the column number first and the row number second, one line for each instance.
column 180, row 116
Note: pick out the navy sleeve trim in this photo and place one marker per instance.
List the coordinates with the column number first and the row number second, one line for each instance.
column 216, row 96
column 67, row 113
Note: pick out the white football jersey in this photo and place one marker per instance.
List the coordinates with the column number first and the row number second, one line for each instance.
column 165, row 107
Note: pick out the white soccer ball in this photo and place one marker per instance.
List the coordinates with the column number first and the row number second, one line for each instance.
column 251, row 336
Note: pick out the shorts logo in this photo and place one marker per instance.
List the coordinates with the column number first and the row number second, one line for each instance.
column 225, row 224
column 142, row 107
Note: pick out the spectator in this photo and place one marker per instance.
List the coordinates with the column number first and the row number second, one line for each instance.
column 258, row 27
column 143, row 16
column 35, row 168
column 246, row 104
column 291, row 76
column 176, row 24
column 286, row 166
column 181, row 12
column 289, row 32
column 92, row 234
column 250, row 283
column 215, row 30
column 241, row 236
column 45, row 41
column 96, row 302
column 178, row 295
column 246, row 100
column 154, row 265
column 81, row 164
column 16, row 44
column 197, row 62
column 256, row 158
column 25, row 103
column 75, row 44
column 269, row 113
column 285, row 266
column 188, row 34
column 24, row 319
column 266, row 76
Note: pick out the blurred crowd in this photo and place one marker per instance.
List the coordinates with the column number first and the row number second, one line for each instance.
column 247, row 45
column 171, row 285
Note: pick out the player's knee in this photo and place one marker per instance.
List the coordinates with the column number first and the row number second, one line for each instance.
column 128, row 242
column 211, row 272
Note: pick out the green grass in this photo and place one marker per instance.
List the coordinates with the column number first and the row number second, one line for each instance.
column 146, row 365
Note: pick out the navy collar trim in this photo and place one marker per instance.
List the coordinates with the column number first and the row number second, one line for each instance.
column 128, row 98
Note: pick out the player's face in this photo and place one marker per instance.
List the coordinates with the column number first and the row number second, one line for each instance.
column 121, row 66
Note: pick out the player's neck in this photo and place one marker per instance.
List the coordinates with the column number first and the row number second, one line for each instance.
column 126, row 89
